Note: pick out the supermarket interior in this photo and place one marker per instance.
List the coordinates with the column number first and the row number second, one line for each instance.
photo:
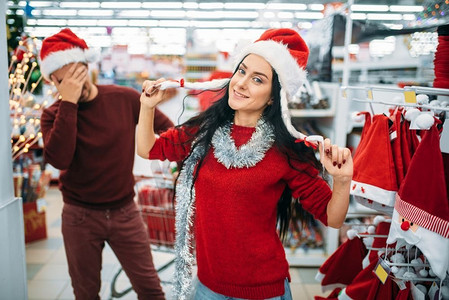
column 115, row 186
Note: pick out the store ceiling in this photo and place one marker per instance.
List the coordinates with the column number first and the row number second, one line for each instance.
column 172, row 22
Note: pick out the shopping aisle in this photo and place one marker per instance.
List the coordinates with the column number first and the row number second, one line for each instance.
column 48, row 277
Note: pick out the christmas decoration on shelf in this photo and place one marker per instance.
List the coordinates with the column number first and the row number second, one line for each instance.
column 433, row 12
column 24, row 82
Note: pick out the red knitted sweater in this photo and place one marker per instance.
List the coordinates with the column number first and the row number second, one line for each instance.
column 238, row 251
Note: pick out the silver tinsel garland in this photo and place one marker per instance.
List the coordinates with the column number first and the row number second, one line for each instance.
column 225, row 152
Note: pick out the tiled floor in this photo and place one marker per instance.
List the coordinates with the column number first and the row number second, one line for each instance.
column 48, row 277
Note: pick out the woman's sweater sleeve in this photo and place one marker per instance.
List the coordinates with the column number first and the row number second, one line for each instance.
column 311, row 190
column 172, row 145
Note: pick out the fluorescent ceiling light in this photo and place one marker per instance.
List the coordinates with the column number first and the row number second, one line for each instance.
column 358, row 16
column 257, row 24
column 51, row 22
column 286, row 24
column 390, row 17
column 361, row 7
column 195, row 14
column 162, row 5
column 394, row 26
column 190, row 5
column 269, row 15
column 134, row 13
column 242, row 5
column 409, row 17
column 304, row 25
column 309, row 15
column 78, row 22
column 292, row 6
column 79, row 4
column 121, row 4
column 168, row 13
column 95, row 12
column 40, row 3
column 221, row 24
column 316, row 7
column 112, row 22
column 239, row 14
column 406, row 8
column 143, row 23
column 275, row 24
column 285, row 15
column 174, row 23
column 211, row 5
column 59, row 12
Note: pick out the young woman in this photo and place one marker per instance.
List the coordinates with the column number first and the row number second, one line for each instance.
column 242, row 165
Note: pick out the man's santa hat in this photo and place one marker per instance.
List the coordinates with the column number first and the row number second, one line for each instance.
column 64, row 48
column 374, row 181
column 422, row 200
column 285, row 51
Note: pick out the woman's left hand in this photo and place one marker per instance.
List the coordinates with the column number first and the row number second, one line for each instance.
column 337, row 161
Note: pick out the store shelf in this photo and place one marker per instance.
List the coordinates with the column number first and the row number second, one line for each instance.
column 378, row 65
column 310, row 258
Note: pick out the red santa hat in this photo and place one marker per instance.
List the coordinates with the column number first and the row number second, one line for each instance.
column 422, row 197
column 61, row 49
column 343, row 265
column 286, row 51
column 374, row 181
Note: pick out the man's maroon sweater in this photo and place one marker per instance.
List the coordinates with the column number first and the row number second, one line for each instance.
column 92, row 143
column 238, row 250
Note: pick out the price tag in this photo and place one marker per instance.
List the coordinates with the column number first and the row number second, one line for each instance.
column 410, row 96
column 41, row 205
column 382, row 270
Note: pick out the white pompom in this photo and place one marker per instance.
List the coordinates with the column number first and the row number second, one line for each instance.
column 378, row 219
column 411, row 114
column 368, row 241
column 371, row 229
column 444, row 103
column 409, row 275
column 394, row 269
column 435, row 103
column 401, row 272
column 91, row 55
column 422, row 99
column 351, row 233
column 422, row 288
column 397, row 258
column 445, row 292
column 423, row 273
column 417, row 264
column 357, row 117
column 431, row 273
column 424, row 121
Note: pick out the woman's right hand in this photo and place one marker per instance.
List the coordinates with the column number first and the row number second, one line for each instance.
column 151, row 94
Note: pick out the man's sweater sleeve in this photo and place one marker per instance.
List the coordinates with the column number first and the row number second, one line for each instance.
column 59, row 132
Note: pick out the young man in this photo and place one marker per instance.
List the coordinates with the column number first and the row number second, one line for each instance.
column 89, row 134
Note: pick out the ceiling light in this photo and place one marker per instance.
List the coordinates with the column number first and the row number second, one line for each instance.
column 79, row 4
column 174, row 23
column 319, row 7
column 269, row 15
column 190, row 5
column 243, row 5
column 143, row 23
column 134, row 13
column 211, row 5
column 194, row 14
column 286, row 24
column 304, row 25
column 358, row 16
column 168, row 13
column 390, row 17
column 40, row 3
column 360, row 7
column 112, row 22
column 121, row 4
column 51, row 22
column 162, row 5
column 285, row 15
column 95, row 12
column 406, row 8
column 240, row 14
column 309, row 15
column 409, row 17
column 291, row 6
column 75, row 22
column 59, row 12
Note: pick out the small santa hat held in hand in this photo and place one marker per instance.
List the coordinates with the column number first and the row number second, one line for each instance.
column 286, row 51
column 421, row 211
column 64, row 48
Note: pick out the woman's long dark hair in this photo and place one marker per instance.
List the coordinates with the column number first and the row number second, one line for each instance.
column 219, row 113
